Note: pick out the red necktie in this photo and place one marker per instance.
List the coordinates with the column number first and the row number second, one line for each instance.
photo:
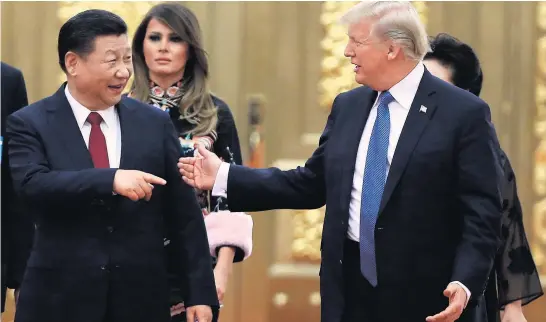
column 97, row 142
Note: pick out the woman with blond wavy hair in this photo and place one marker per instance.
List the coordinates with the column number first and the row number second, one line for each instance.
column 171, row 73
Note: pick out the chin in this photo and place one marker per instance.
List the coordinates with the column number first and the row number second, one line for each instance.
column 360, row 79
column 111, row 101
column 163, row 70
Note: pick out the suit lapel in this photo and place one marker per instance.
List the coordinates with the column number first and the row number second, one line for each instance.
column 62, row 119
column 352, row 131
column 414, row 126
column 130, row 133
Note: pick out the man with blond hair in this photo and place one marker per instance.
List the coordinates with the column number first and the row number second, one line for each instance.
column 407, row 168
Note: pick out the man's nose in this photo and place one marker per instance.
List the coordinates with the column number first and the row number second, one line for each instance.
column 348, row 52
column 124, row 72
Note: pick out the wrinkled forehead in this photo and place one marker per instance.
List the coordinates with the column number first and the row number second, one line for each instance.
column 116, row 44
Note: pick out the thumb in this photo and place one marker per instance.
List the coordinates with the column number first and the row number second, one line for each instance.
column 450, row 290
column 203, row 151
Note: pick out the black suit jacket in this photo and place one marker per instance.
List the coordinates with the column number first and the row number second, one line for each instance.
column 97, row 254
column 439, row 217
column 17, row 227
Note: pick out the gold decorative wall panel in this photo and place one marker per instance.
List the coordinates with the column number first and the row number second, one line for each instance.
column 336, row 71
column 539, row 210
column 307, row 234
column 131, row 11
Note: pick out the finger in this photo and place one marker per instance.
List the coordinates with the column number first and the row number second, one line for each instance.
column 190, row 315
column 444, row 315
column 189, row 181
column 150, row 178
column 147, row 188
column 132, row 195
column 138, row 190
column 177, row 309
column 202, row 150
column 188, row 167
column 186, row 173
column 186, row 160
column 203, row 316
column 448, row 292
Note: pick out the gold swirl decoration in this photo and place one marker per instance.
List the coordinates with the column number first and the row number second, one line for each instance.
column 130, row 11
column 337, row 74
column 336, row 70
column 539, row 175
column 307, row 234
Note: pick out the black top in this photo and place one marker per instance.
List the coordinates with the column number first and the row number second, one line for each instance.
column 226, row 145
column 515, row 271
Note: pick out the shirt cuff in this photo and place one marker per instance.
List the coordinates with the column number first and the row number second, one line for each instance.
column 465, row 289
column 220, row 184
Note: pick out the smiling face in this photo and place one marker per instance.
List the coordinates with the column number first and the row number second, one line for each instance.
column 165, row 53
column 101, row 76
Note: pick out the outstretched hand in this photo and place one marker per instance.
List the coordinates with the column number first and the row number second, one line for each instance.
column 457, row 303
column 200, row 171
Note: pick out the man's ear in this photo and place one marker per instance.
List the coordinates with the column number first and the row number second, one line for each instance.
column 71, row 62
column 393, row 51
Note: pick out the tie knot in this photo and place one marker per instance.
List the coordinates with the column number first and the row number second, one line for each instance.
column 385, row 98
column 94, row 118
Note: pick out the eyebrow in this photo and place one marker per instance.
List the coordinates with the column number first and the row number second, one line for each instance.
column 113, row 52
column 172, row 33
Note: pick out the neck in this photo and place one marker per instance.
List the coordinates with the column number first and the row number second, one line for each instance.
column 81, row 98
column 395, row 75
column 165, row 81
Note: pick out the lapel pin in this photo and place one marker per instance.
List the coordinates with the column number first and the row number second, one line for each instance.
column 423, row 109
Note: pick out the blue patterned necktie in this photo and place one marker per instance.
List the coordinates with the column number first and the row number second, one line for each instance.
column 375, row 173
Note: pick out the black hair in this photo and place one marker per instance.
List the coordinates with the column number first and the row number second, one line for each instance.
column 460, row 59
column 78, row 34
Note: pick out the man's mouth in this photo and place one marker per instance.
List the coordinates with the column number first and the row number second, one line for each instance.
column 116, row 88
column 356, row 67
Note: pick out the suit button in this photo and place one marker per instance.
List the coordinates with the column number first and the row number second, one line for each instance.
column 103, row 268
column 110, row 229
column 340, row 261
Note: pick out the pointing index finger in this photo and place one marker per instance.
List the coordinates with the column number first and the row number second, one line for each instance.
column 150, row 178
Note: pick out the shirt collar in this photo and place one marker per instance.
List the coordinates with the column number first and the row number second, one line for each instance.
column 404, row 91
column 81, row 112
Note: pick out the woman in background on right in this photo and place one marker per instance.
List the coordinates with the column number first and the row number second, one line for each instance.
column 514, row 280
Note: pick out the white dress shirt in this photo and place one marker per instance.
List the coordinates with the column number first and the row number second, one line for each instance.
column 110, row 127
column 403, row 93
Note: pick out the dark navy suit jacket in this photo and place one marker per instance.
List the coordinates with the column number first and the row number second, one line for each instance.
column 440, row 214
column 99, row 256
column 17, row 228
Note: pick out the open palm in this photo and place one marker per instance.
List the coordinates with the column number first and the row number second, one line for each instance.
column 200, row 171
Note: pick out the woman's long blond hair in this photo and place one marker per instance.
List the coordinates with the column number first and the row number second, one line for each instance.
column 196, row 105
